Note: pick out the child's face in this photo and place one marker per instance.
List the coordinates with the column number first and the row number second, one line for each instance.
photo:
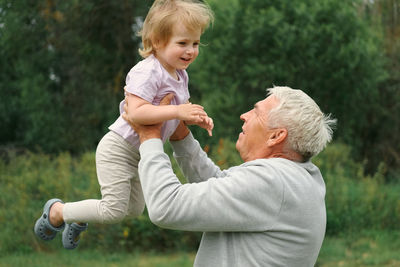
column 181, row 49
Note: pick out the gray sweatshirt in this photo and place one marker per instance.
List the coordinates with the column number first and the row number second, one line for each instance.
column 266, row 212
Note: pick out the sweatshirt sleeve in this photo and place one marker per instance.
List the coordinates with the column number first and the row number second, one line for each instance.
column 245, row 199
column 193, row 161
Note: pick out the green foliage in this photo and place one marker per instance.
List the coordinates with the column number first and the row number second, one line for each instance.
column 385, row 136
column 63, row 70
column 64, row 64
column 90, row 258
column 29, row 180
column 354, row 200
column 225, row 154
column 24, row 83
column 362, row 248
column 322, row 47
column 366, row 248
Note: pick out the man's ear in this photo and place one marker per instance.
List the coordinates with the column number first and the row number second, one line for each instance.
column 277, row 136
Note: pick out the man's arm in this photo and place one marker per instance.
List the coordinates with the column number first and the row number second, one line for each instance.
column 246, row 199
column 180, row 132
column 192, row 159
column 188, row 154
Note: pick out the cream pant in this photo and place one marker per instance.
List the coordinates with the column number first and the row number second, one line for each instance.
column 117, row 172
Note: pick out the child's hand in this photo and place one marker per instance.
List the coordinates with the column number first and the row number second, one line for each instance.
column 205, row 123
column 190, row 112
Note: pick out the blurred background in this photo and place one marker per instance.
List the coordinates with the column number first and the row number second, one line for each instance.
column 62, row 70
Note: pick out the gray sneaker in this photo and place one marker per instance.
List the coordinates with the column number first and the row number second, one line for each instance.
column 43, row 228
column 70, row 236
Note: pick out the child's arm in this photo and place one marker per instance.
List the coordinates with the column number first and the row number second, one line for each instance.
column 142, row 112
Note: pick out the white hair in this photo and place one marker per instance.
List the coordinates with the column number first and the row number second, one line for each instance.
column 309, row 130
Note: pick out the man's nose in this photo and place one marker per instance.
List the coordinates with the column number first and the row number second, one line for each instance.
column 242, row 117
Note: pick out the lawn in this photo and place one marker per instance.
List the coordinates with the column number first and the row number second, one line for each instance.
column 63, row 258
column 369, row 248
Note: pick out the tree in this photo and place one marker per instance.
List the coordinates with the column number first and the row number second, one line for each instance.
column 322, row 47
column 65, row 64
column 384, row 144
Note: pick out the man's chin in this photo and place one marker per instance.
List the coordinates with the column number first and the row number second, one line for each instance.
column 237, row 145
column 238, row 148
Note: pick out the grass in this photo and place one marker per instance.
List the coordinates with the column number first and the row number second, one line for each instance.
column 63, row 258
column 367, row 248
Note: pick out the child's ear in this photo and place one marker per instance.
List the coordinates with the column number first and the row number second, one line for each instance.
column 156, row 44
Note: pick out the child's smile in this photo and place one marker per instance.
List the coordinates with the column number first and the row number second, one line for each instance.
column 180, row 51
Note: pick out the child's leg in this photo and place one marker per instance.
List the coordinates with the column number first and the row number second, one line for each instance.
column 136, row 202
column 136, row 198
column 116, row 164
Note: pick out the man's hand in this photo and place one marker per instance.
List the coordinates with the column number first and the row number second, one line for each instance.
column 146, row 132
column 180, row 133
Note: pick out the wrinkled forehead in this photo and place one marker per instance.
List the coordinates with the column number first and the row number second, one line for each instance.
column 267, row 104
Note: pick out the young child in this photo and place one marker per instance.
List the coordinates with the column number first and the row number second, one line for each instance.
column 171, row 37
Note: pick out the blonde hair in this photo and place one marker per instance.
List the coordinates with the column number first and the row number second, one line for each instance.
column 309, row 130
column 164, row 14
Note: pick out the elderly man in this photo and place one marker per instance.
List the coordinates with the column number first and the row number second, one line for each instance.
column 270, row 210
